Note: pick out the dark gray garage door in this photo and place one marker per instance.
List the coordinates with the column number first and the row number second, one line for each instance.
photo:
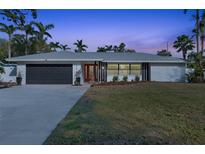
column 49, row 74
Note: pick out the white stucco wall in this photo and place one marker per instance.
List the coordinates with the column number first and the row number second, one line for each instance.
column 21, row 67
column 22, row 70
column 167, row 72
column 77, row 67
column 9, row 74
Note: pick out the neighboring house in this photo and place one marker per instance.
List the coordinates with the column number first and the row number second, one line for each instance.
column 9, row 74
column 62, row 67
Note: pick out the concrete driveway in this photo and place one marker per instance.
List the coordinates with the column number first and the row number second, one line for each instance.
column 28, row 114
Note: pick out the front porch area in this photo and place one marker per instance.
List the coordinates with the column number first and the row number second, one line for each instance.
column 98, row 71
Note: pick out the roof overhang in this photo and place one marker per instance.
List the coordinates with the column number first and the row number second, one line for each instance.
column 51, row 60
column 138, row 61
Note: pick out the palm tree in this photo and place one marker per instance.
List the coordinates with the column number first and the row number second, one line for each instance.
column 9, row 30
column 101, row 49
column 42, row 33
column 29, row 30
column 54, row 46
column 105, row 48
column 65, row 47
column 80, row 47
column 18, row 44
column 202, row 32
column 18, row 16
column 184, row 44
column 121, row 47
column 196, row 17
column 108, row 47
column 115, row 48
column 164, row 52
column 43, row 30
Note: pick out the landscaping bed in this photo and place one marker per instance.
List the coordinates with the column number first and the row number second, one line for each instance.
column 118, row 83
column 143, row 113
column 6, row 84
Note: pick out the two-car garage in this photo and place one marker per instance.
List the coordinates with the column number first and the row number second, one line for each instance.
column 49, row 74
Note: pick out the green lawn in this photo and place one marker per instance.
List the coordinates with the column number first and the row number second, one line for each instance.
column 144, row 113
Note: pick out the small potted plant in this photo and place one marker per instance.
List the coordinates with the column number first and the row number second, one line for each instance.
column 19, row 79
column 77, row 78
column 125, row 78
column 115, row 78
column 137, row 78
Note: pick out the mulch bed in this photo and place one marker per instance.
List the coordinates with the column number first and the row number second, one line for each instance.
column 7, row 84
column 120, row 83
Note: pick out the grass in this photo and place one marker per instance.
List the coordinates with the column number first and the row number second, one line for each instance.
column 144, row 113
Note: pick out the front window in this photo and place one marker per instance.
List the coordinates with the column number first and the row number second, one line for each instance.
column 112, row 69
column 124, row 69
column 135, row 69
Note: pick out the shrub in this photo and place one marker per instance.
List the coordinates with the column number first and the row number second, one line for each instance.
column 195, row 77
column 197, row 63
column 137, row 78
column 1, row 70
column 198, row 72
column 115, row 78
column 125, row 78
column 190, row 77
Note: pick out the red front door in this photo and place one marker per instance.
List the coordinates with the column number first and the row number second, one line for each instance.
column 90, row 71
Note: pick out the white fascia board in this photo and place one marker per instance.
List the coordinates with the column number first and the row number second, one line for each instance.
column 143, row 61
column 23, row 60
column 74, row 60
column 87, row 60
column 50, row 60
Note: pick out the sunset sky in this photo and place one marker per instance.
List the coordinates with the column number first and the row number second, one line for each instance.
column 142, row 30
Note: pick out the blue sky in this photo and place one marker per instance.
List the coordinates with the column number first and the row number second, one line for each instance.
column 142, row 30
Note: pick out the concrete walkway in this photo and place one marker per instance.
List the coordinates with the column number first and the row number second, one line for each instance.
column 28, row 114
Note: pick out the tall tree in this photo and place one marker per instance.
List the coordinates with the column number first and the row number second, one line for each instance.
column 121, row 47
column 80, row 47
column 42, row 34
column 3, row 49
column 115, row 48
column 184, row 44
column 202, row 31
column 106, row 48
column 54, row 46
column 196, row 18
column 18, row 16
column 101, row 49
column 9, row 30
column 18, row 44
column 65, row 47
column 29, row 31
column 20, row 19
column 164, row 52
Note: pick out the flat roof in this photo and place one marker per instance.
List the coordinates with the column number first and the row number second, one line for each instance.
column 96, row 56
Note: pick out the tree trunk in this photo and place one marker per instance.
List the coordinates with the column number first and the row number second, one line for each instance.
column 197, row 30
column 9, row 47
column 202, row 45
column 184, row 55
column 26, row 45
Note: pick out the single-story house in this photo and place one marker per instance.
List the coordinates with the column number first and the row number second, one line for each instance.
column 62, row 67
